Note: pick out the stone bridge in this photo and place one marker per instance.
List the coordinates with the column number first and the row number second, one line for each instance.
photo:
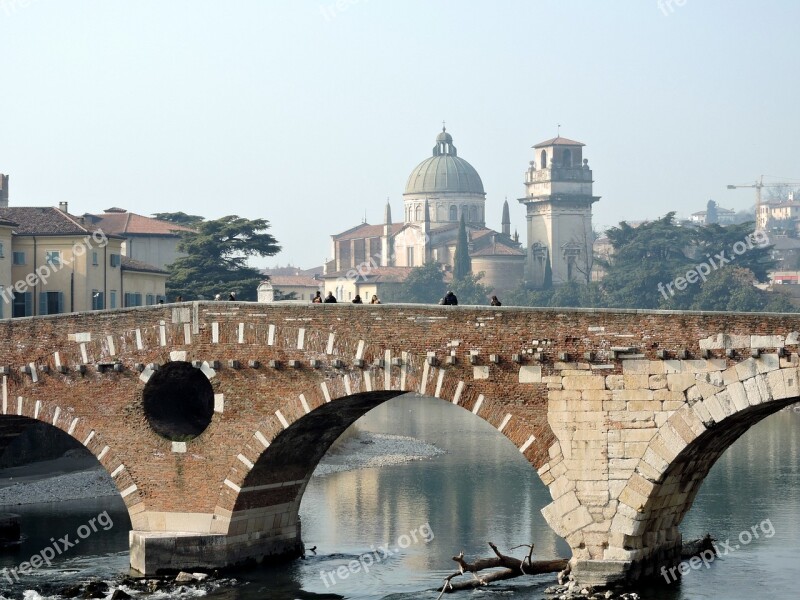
column 210, row 417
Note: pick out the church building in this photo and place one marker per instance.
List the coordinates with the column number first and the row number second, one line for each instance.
column 440, row 190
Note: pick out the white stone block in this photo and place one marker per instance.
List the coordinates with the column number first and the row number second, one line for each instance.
column 530, row 374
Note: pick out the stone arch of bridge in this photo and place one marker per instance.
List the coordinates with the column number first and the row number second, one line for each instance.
column 681, row 454
column 27, row 411
column 262, row 492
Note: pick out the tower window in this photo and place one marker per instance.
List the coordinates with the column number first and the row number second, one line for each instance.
column 453, row 212
column 567, row 157
column 544, row 159
column 419, row 213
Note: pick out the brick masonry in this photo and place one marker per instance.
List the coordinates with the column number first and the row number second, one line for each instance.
column 622, row 413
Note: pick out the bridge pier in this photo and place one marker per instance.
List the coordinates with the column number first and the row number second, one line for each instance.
column 157, row 552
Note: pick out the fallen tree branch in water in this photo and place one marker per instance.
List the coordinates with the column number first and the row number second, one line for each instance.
column 511, row 568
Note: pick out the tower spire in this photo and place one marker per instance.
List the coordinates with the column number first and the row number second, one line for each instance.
column 387, row 213
column 506, row 221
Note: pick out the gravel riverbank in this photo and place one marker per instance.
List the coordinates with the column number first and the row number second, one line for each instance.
column 78, row 477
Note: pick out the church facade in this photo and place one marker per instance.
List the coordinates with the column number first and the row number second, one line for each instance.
column 443, row 189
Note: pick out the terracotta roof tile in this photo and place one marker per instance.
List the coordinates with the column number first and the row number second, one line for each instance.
column 117, row 221
column 45, row 220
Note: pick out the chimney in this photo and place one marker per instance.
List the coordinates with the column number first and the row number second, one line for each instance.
column 63, row 206
column 3, row 191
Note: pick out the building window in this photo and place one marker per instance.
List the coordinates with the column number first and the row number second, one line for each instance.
column 150, row 299
column 95, row 262
column 18, row 258
column 98, row 300
column 112, row 299
column 566, row 158
column 23, row 305
column 544, row 159
column 53, row 257
column 410, row 256
column 114, row 260
column 51, row 303
column 2, row 253
column 473, row 214
column 419, row 213
column 132, row 299
column 453, row 213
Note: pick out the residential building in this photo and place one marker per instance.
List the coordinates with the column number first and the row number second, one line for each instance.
column 725, row 216
column 145, row 239
column 54, row 262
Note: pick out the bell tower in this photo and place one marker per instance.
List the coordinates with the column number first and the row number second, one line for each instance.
column 558, row 199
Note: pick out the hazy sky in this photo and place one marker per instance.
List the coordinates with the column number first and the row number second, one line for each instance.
column 311, row 116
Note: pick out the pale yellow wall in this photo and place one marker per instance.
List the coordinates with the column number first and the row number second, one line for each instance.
column 75, row 277
column 144, row 284
column 5, row 272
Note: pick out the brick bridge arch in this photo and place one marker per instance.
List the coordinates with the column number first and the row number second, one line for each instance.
column 622, row 413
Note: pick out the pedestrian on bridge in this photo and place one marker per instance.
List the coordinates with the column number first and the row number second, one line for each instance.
column 449, row 299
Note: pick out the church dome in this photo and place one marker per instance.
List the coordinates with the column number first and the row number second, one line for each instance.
column 444, row 172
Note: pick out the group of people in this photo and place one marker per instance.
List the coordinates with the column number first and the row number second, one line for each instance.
column 331, row 299
column 449, row 299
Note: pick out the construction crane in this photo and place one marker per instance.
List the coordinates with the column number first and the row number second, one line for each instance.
column 758, row 185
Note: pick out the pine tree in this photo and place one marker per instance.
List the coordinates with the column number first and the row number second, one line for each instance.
column 462, row 264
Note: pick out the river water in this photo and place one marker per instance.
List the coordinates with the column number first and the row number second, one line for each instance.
column 422, row 513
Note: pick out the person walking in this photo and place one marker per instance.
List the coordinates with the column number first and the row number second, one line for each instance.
column 495, row 302
column 232, row 297
column 357, row 300
column 374, row 299
column 317, row 299
column 449, row 299
column 329, row 299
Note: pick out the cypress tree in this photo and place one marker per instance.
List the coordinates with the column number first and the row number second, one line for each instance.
column 462, row 264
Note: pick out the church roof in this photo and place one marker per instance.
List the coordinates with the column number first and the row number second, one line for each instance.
column 558, row 141
column 498, row 249
column 444, row 172
column 365, row 230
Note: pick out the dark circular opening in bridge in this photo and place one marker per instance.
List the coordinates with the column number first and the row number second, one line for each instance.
column 178, row 401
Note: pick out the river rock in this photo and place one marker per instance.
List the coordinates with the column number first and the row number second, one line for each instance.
column 120, row 595
column 95, row 589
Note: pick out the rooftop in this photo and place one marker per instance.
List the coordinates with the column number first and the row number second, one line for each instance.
column 119, row 221
column 45, row 220
column 129, row 264
column 558, row 141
